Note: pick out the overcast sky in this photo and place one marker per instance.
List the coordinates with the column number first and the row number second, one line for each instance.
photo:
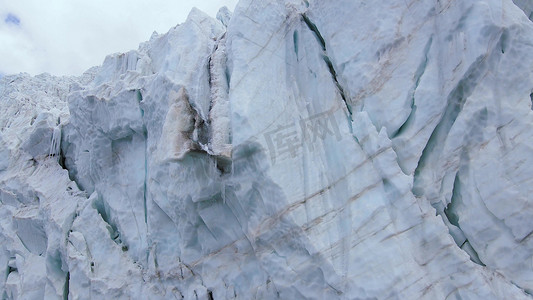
column 66, row 37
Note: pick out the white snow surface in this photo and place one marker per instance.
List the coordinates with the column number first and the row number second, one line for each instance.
column 290, row 149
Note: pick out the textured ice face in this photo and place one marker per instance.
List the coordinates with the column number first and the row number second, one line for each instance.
column 292, row 149
column 526, row 6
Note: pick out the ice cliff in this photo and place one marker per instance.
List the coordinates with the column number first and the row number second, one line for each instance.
column 293, row 149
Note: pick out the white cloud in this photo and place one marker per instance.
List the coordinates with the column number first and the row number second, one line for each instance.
column 66, row 37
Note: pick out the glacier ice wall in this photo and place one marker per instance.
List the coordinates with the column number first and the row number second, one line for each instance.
column 292, row 149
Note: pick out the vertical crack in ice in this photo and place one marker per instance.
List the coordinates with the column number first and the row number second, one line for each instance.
column 455, row 103
column 315, row 30
column 451, row 214
column 430, row 157
column 103, row 210
column 66, row 287
column 417, row 78
column 328, row 61
column 145, row 133
column 451, row 209
column 145, row 186
column 295, row 42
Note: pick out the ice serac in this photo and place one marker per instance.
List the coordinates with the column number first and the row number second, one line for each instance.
column 38, row 201
column 291, row 149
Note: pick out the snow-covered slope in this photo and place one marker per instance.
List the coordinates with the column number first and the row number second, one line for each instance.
column 292, row 149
